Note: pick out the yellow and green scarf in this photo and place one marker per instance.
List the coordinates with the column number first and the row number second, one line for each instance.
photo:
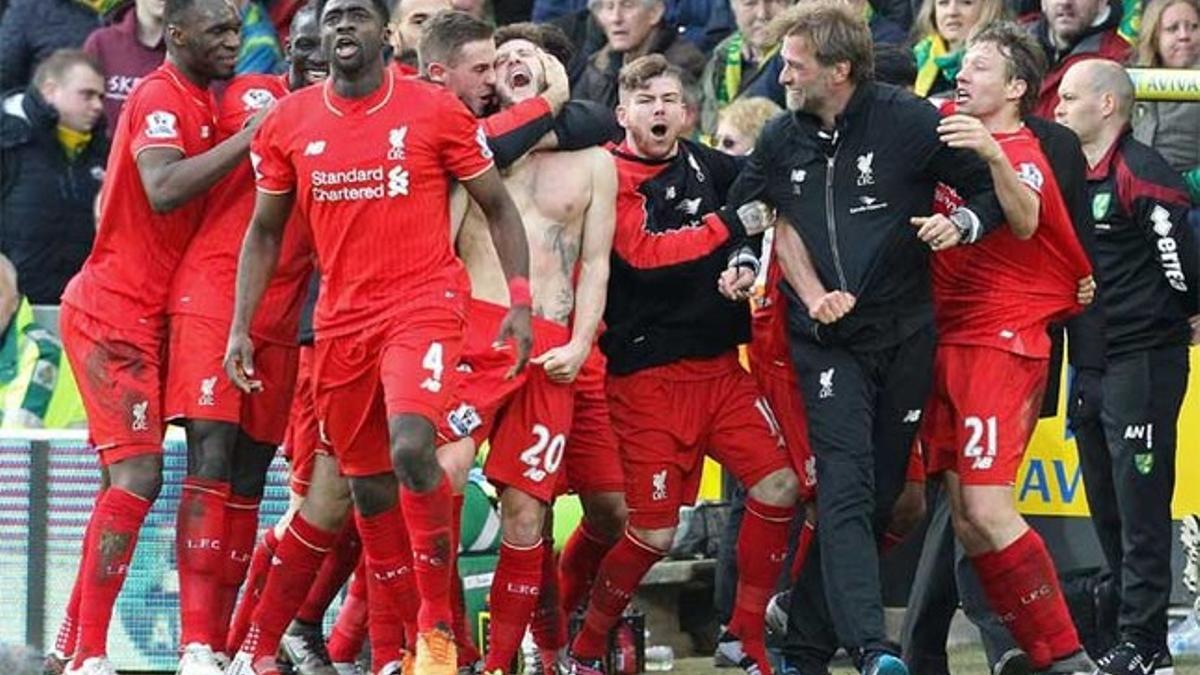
column 934, row 59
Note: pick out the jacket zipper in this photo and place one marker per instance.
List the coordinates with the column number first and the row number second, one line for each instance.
column 829, row 219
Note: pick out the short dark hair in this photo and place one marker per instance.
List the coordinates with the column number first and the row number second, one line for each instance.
column 56, row 65
column 444, row 35
column 895, row 65
column 1023, row 57
column 381, row 6
column 637, row 73
column 549, row 37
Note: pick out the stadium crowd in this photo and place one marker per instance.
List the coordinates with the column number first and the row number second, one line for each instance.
column 835, row 245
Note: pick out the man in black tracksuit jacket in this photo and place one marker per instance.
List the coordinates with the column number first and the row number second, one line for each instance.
column 1146, row 266
column 848, row 169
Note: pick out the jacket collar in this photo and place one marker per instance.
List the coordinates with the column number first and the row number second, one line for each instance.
column 1104, row 167
column 855, row 107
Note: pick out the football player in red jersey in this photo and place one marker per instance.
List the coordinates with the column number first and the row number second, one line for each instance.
column 232, row 437
column 165, row 158
column 566, row 200
column 993, row 303
column 391, row 311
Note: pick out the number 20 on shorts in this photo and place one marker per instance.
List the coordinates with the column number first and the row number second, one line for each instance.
column 543, row 457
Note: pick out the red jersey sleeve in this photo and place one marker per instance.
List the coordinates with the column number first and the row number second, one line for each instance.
column 245, row 96
column 273, row 170
column 464, row 148
column 156, row 116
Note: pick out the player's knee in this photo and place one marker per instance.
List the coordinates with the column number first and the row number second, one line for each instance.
column 606, row 514
column 413, row 454
column 779, row 488
column 141, row 475
column 987, row 511
column 248, row 477
column 659, row 539
column 374, row 494
column 456, row 460
column 521, row 523
column 210, row 449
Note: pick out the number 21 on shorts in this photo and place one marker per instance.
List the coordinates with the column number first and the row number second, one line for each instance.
column 433, row 363
column 543, row 457
column 981, row 446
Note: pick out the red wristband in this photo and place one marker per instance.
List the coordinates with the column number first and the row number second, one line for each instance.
column 518, row 292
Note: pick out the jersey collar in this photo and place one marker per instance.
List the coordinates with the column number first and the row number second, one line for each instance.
column 1104, row 166
column 201, row 95
column 367, row 105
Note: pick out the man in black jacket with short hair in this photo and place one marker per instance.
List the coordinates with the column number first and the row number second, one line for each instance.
column 853, row 170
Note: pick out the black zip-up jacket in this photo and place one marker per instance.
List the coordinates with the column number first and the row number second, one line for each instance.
column 671, row 243
column 1146, row 251
column 850, row 195
column 47, row 221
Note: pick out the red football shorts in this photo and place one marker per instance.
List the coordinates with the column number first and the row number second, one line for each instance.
column 593, row 459
column 916, row 464
column 777, row 382
column 119, row 374
column 526, row 419
column 302, row 441
column 666, row 418
column 982, row 411
column 198, row 389
column 399, row 366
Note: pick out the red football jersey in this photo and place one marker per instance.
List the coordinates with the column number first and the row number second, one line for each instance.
column 204, row 283
column 1003, row 292
column 372, row 177
column 768, row 316
column 128, row 274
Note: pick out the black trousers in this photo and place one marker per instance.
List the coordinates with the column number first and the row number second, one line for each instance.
column 1128, row 460
column 864, row 409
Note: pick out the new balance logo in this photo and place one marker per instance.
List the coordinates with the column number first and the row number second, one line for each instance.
column 912, row 416
column 314, row 148
column 826, row 382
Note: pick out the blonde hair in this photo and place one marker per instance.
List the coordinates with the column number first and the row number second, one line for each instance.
column 748, row 115
column 925, row 23
column 1145, row 54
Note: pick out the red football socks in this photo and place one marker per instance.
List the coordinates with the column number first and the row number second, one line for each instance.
column 1022, row 588
column 68, row 632
column 300, row 554
column 199, row 529
column 468, row 654
column 578, row 566
column 112, row 535
column 389, row 579
column 334, row 572
column 761, row 548
column 807, row 532
column 241, row 526
column 549, row 622
column 256, row 580
column 429, row 516
column 350, row 630
column 514, row 595
column 620, row 573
